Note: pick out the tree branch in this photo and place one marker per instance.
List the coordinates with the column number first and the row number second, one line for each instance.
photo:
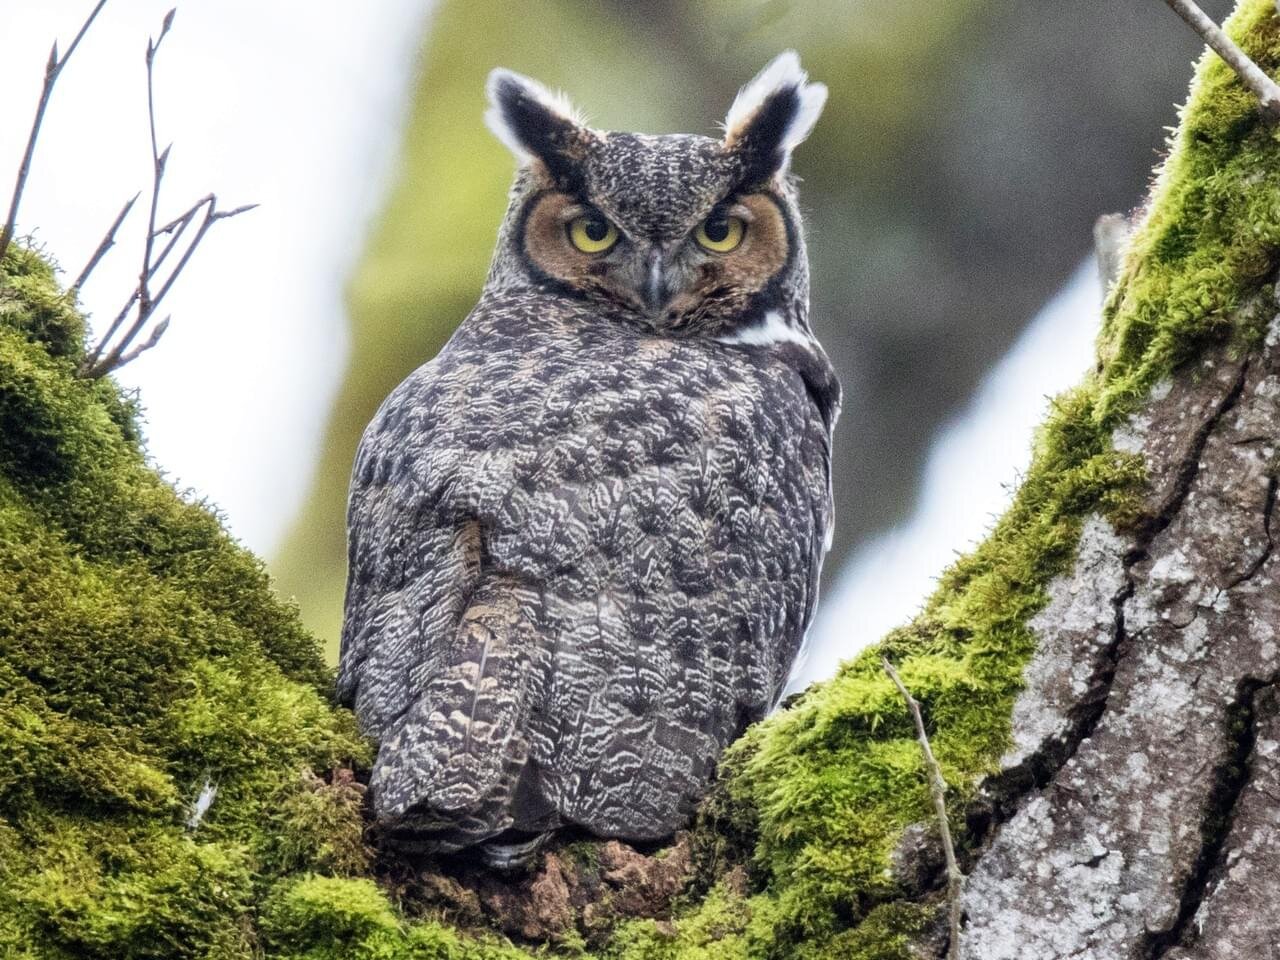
column 1264, row 88
column 104, row 357
column 938, row 789
column 107, row 243
column 51, row 72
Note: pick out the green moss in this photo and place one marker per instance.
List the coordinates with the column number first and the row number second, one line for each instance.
column 324, row 918
column 92, row 889
column 142, row 653
column 719, row 929
column 32, row 304
column 316, row 825
column 319, row 917
column 1211, row 235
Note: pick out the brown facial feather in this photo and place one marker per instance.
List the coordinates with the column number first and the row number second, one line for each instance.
column 716, row 281
column 735, row 276
column 546, row 239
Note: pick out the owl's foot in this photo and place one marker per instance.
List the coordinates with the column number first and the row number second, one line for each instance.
column 511, row 850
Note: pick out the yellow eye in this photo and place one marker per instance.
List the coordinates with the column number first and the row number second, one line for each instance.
column 721, row 233
column 592, row 233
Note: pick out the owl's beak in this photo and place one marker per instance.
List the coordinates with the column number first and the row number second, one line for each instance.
column 657, row 292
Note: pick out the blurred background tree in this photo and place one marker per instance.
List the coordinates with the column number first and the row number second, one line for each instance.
column 951, row 187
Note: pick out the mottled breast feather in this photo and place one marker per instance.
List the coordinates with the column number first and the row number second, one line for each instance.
column 582, row 560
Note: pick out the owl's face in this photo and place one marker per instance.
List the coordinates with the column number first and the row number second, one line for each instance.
column 685, row 234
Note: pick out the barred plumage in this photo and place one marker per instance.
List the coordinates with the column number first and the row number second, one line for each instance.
column 585, row 539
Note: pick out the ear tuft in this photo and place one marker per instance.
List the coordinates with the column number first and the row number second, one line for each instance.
column 773, row 114
column 533, row 122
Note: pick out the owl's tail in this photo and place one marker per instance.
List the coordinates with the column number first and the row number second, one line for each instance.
column 447, row 776
column 456, row 769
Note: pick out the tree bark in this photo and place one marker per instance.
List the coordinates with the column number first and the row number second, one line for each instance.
column 1153, row 832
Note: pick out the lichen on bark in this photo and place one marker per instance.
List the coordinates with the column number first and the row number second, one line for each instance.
column 143, row 655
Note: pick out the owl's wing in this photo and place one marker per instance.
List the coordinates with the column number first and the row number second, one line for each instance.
column 410, row 565
column 810, row 363
column 434, row 654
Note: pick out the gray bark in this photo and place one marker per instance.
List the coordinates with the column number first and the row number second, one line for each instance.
column 1138, row 815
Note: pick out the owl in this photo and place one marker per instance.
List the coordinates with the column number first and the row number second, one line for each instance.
column 585, row 539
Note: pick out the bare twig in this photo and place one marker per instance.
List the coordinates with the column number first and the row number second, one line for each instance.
column 144, row 300
column 176, row 228
column 141, row 294
column 156, row 333
column 107, row 243
column 212, row 216
column 99, row 364
column 51, row 71
column 158, row 161
column 1264, row 88
column 938, row 789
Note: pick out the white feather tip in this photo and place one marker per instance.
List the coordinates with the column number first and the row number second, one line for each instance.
column 782, row 71
column 499, row 124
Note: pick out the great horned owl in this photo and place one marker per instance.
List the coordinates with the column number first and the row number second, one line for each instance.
column 585, row 539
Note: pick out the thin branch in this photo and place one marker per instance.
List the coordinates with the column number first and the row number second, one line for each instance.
column 212, row 217
column 1264, row 88
column 98, row 364
column 107, row 243
column 51, row 72
column 158, row 161
column 141, row 294
column 174, row 232
column 938, row 789
column 176, row 227
column 156, row 333
column 106, row 357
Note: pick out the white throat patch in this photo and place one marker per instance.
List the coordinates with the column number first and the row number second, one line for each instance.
column 773, row 329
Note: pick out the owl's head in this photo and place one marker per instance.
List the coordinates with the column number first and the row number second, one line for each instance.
column 684, row 234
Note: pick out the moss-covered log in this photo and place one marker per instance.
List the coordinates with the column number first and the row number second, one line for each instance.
column 1099, row 679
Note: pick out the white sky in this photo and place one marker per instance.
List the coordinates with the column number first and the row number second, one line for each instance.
column 295, row 106
column 968, row 481
column 298, row 106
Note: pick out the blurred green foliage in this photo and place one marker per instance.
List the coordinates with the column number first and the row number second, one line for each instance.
column 656, row 67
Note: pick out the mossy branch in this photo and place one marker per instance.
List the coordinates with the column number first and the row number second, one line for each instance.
column 938, row 790
column 52, row 71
